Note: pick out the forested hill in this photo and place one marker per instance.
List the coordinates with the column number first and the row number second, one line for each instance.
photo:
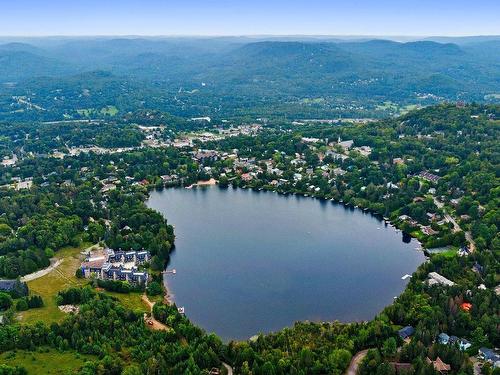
column 237, row 75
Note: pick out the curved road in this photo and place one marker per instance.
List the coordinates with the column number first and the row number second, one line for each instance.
column 35, row 275
column 228, row 368
column 355, row 361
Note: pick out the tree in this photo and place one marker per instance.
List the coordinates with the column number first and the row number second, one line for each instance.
column 154, row 289
column 22, row 305
column 5, row 301
column 389, row 348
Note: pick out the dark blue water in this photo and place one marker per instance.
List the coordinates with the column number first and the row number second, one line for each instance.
column 250, row 262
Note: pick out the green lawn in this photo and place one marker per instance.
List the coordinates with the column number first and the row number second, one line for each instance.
column 85, row 112
column 45, row 361
column 64, row 277
column 47, row 286
column 447, row 254
column 131, row 301
column 110, row 110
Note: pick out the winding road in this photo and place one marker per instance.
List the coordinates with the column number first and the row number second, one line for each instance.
column 228, row 368
column 35, row 275
column 355, row 361
column 456, row 227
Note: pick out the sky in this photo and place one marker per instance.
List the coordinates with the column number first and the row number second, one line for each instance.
column 249, row 17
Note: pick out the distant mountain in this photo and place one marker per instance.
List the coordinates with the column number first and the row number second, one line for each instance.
column 18, row 64
column 288, row 59
column 207, row 73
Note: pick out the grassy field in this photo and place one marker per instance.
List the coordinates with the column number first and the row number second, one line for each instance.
column 131, row 301
column 45, row 361
column 110, row 110
column 47, row 286
column 85, row 112
column 64, row 277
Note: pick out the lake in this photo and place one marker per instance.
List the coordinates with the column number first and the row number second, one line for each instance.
column 250, row 262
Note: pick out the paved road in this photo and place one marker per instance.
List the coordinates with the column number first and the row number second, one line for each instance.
column 355, row 361
column 35, row 275
column 228, row 368
column 456, row 227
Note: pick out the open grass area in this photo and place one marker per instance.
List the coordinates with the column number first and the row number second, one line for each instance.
column 131, row 301
column 47, row 286
column 45, row 361
column 85, row 112
column 110, row 110
column 447, row 254
column 64, row 277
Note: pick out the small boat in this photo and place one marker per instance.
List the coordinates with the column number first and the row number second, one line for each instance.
column 180, row 310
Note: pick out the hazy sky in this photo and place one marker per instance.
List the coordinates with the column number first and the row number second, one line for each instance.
column 249, row 17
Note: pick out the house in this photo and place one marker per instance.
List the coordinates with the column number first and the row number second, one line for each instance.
column 310, row 140
column 429, row 176
column 108, row 264
column 406, row 332
column 477, row 268
column 401, row 367
column 364, row 150
column 205, row 155
column 463, row 251
column 443, row 338
column 108, row 187
column 346, row 145
column 398, row 161
column 466, row 306
column 439, row 365
column 435, row 278
column 16, row 287
column 464, row 344
column 336, row 156
column 247, row 177
column 339, row 172
column 488, row 355
column 427, row 230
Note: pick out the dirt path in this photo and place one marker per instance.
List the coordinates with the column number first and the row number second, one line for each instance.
column 356, row 360
column 155, row 324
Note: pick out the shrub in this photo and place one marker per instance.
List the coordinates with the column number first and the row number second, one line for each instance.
column 22, row 305
column 154, row 289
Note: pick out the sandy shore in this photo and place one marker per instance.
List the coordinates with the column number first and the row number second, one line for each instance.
column 210, row 182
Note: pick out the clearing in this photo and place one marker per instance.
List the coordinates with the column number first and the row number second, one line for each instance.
column 45, row 361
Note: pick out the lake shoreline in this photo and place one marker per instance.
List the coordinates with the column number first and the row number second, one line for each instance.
column 205, row 308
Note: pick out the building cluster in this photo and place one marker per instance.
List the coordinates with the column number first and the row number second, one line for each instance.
column 108, row 264
column 484, row 354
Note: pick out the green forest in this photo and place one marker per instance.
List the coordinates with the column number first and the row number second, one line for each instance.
column 433, row 173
